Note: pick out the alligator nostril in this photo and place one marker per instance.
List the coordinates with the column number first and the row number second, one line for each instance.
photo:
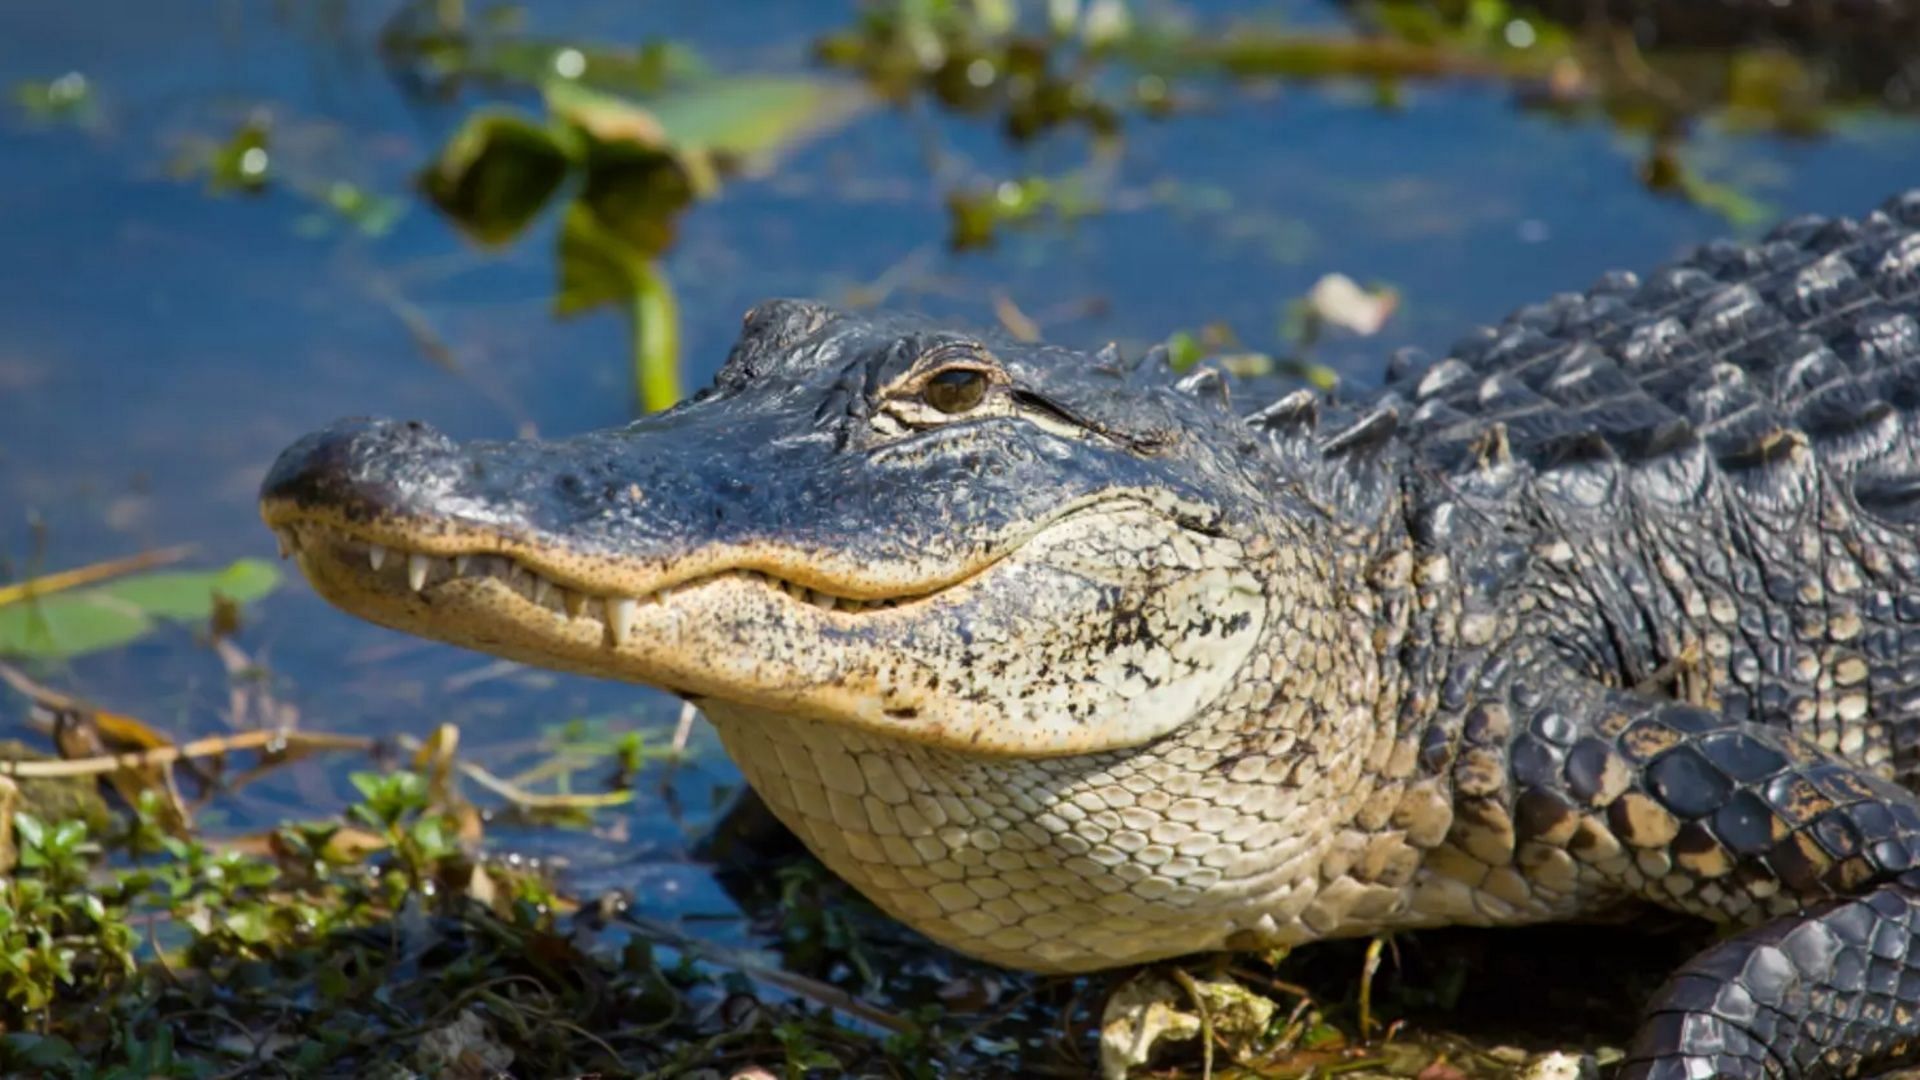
column 353, row 460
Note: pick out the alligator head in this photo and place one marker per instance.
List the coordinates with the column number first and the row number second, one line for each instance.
column 961, row 557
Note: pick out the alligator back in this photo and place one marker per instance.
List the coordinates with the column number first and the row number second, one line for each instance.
column 1721, row 464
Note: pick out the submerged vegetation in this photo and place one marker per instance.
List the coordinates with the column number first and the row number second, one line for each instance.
column 390, row 923
column 1091, row 67
column 625, row 167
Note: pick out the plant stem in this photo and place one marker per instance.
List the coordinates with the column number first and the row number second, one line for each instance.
column 656, row 335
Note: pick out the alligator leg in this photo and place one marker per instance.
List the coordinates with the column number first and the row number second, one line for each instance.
column 1824, row 993
column 1742, row 823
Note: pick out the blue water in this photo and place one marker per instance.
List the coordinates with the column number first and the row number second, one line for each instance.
column 158, row 345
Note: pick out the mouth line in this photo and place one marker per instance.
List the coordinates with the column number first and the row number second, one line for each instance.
column 402, row 571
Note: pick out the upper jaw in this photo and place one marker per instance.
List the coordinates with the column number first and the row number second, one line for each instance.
column 609, row 514
column 389, row 560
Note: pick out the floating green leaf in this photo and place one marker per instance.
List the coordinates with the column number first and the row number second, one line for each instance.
column 754, row 117
column 71, row 624
column 496, row 174
column 189, row 594
column 710, row 129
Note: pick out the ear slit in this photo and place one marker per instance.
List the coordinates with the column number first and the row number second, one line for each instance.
column 1027, row 399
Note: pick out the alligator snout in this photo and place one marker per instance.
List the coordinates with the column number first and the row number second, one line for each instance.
column 364, row 463
column 642, row 493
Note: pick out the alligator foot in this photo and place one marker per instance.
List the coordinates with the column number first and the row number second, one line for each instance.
column 1744, row 824
column 1825, row 993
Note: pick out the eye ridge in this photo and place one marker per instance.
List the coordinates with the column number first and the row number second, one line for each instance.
column 955, row 389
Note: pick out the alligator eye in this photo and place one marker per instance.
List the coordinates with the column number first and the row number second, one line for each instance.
column 955, row 390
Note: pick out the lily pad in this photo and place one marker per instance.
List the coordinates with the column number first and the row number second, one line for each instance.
column 70, row 624
column 189, row 594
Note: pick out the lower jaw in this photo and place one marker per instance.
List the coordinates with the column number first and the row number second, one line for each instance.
column 664, row 646
column 475, row 614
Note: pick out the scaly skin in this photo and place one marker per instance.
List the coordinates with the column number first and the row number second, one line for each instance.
column 1072, row 666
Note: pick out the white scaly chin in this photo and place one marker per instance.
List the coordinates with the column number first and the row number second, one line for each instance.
column 1105, row 632
column 1052, row 672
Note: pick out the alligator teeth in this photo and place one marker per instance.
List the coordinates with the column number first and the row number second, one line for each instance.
column 805, row 595
column 288, row 543
column 621, row 611
column 619, row 615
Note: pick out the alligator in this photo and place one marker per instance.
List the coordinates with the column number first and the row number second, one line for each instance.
column 1070, row 662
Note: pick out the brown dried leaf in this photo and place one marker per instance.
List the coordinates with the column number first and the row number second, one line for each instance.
column 435, row 761
column 349, row 845
column 9, row 802
column 89, row 733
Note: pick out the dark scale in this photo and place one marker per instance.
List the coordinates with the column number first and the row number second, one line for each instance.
column 1718, row 473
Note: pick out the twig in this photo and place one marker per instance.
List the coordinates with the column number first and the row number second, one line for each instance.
column 1017, row 322
column 1367, row 971
column 276, row 741
column 1067, row 1040
column 1000, row 1013
column 813, row 990
column 532, row 800
column 1271, row 983
column 877, row 292
column 212, row 746
column 606, row 1048
column 467, row 680
column 88, row 575
column 1206, row 1021
column 50, row 700
column 160, row 954
column 684, row 730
